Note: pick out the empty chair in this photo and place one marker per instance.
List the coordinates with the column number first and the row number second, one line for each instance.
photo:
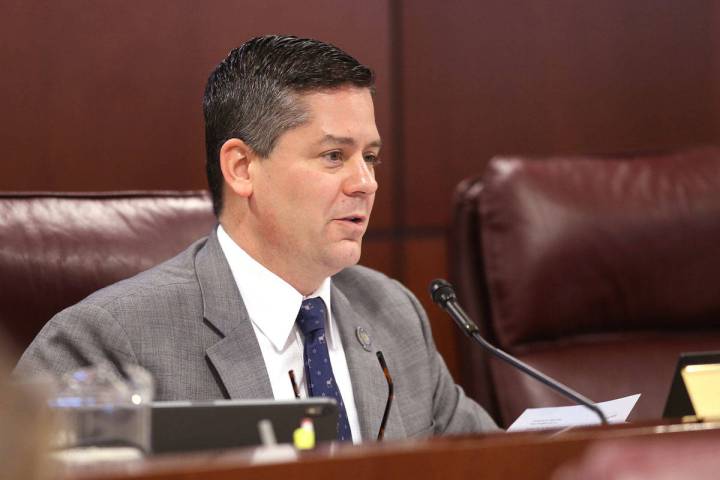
column 597, row 271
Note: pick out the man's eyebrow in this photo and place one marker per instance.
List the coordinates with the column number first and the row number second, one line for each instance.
column 347, row 141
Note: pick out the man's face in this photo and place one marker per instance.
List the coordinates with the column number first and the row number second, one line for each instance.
column 311, row 198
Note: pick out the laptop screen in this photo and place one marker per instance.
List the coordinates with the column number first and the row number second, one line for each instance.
column 189, row 426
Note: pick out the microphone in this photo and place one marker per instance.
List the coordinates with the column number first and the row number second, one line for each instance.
column 443, row 294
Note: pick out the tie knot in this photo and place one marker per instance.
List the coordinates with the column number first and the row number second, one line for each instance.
column 311, row 318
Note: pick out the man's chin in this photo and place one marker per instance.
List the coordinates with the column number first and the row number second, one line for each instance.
column 345, row 255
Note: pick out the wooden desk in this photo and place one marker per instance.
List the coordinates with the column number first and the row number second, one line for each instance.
column 498, row 456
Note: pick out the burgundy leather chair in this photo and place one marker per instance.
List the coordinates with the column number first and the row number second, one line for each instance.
column 597, row 271
column 57, row 248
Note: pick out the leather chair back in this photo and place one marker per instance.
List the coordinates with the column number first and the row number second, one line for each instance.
column 57, row 248
column 597, row 271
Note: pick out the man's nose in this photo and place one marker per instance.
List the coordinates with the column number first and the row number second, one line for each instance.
column 361, row 178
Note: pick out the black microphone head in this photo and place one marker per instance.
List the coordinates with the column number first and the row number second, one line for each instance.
column 441, row 292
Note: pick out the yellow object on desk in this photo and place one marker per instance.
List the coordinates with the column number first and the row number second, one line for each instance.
column 703, row 386
column 304, row 437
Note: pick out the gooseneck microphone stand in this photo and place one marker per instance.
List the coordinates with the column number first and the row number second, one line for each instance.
column 443, row 294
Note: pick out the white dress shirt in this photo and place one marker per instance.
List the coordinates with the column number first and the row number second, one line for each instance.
column 273, row 306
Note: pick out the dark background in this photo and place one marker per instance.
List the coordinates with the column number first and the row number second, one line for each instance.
column 106, row 94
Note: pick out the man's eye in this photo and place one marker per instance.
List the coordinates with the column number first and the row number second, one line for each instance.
column 372, row 159
column 334, row 156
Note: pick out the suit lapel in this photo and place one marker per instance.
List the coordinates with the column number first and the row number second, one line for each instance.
column 238, row 360
column 237, row 357
column 369, row 386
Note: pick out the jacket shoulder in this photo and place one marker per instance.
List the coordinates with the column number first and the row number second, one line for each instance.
column 177, row 273
column 359, row 280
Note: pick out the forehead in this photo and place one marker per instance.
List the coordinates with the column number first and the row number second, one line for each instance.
column 341, row 112
column 333, row 96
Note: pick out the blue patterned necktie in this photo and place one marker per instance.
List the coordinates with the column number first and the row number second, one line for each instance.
column 318, row 371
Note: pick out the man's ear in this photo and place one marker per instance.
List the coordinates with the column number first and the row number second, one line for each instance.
column 235, row 156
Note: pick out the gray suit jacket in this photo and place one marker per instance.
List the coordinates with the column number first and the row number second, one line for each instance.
column 185, row 321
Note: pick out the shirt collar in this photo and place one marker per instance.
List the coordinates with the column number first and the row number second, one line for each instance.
column 271, row 303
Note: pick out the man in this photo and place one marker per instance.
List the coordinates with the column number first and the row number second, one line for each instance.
column 291, row 150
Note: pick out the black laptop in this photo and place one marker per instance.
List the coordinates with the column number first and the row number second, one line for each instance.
column 190, row 426
column 678, row 403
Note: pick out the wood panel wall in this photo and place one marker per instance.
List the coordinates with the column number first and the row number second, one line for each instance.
column 106, row 94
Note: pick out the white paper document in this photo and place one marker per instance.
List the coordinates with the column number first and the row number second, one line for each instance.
column 616, row 411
